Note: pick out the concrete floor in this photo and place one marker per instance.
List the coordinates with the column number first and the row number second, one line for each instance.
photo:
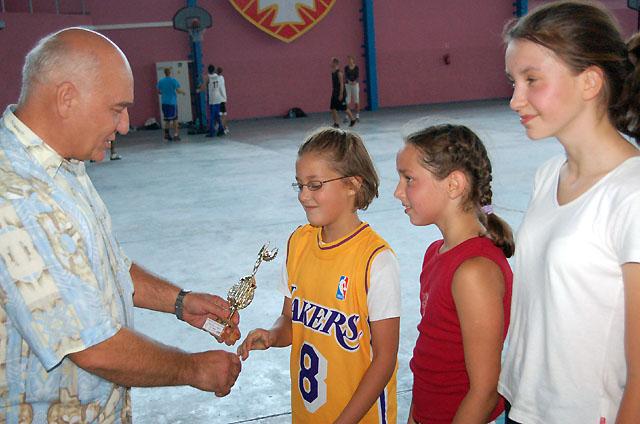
column 197, row 212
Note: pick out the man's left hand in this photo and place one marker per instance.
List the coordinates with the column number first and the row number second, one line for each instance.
column 200, row 306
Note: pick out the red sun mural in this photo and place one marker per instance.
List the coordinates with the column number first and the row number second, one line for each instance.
column 284, row 19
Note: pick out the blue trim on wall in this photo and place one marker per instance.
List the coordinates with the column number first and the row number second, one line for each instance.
column 520, row 8
column 198, row 71
column 370, row 53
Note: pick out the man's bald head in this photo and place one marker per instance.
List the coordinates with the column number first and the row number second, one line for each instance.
column 73, row 54
column 76, row 93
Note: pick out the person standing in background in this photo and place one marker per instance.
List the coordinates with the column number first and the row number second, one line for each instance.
column 217, row 94
column 352, row 86
column 337, row 94
column 112, row 149
column 223, row 105
column 168, row 87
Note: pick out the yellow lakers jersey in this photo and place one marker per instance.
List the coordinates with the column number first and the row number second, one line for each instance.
column 331, row 338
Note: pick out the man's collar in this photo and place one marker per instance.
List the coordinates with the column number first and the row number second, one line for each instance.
column 41, row 151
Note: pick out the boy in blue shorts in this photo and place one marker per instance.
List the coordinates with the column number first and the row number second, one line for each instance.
column 167, row 88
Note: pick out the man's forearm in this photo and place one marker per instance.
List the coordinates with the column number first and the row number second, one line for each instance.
column 132, row 360
column 152, row 292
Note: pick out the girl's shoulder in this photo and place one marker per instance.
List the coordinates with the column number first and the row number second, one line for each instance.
column 303, row 229
column 626, row 174
column 620, row 186
column 472, row 248
column 300, row 233
column 476, row 246
column 483, row 247
column 373, row 234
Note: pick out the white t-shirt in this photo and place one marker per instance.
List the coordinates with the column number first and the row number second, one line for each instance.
column 383, row 297
column 217, row 89
column 223, row 89
column 565, row 359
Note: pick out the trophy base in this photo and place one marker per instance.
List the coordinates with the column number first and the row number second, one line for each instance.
column 213, row 327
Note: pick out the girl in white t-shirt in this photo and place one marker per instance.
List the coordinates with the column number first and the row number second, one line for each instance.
column 573, row 352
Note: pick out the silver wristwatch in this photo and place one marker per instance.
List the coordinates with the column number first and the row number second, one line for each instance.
column 179, row 303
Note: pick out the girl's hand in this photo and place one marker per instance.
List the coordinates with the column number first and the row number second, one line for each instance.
column 258, row 339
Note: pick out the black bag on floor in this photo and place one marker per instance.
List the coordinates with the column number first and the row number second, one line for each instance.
column 295, row 112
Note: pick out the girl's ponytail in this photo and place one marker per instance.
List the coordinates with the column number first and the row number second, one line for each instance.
column 498, row 231
column 626, row 111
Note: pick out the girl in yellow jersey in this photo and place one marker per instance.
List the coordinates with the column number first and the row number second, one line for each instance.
column 341, row 312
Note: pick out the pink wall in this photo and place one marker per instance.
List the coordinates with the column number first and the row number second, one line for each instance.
column 413, row 35
column 266, row 77
column 44, row 6
column 22, row 32
column 272, row 76
column 144, row 47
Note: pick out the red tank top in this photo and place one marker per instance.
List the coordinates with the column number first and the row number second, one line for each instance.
column 440, row 379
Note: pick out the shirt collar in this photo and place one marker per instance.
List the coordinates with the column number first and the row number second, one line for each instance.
column 50, row 160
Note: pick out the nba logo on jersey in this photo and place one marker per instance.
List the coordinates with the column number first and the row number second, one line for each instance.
column 342, row 287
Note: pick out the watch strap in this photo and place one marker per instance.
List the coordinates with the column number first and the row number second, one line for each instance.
column 179, row 305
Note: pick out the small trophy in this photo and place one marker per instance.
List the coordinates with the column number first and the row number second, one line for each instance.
column 241, row 294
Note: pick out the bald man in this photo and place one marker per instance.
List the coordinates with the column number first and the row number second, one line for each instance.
column 67, row 290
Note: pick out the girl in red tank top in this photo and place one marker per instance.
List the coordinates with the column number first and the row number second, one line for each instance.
column 465, row 284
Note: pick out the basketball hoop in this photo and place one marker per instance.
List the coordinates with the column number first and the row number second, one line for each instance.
column 195, row 29
column 194, row 20
column 194, row 24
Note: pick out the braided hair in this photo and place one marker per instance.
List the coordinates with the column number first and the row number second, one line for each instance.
column 447, row 148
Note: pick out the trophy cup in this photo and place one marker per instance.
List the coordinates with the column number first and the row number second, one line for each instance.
column 241, row 294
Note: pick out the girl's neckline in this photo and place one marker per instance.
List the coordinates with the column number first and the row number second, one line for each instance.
column 469, row 240
column 338, row 242
column 593, row 187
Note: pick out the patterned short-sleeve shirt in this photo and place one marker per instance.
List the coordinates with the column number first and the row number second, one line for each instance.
column 64, row 285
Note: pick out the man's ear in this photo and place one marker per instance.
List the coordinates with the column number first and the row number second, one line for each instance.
column 66, row 99
column 456, row 184
column 593, row 82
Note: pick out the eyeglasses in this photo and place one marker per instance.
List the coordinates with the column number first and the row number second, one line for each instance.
column 314, row 185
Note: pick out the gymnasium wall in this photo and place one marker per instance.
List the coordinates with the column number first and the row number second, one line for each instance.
column 412, row 41
column 266, row 77
column 22, row 31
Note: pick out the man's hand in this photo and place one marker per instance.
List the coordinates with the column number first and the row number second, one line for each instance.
column 200, row 306
column 214, row 371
